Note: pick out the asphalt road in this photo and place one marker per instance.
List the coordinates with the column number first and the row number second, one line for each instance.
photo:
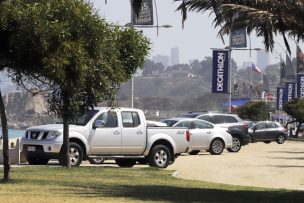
column 257, row 164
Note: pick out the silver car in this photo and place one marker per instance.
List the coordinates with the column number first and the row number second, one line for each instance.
column 203, row 135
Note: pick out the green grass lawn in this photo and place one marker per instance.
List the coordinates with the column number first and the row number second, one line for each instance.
column 111, row 184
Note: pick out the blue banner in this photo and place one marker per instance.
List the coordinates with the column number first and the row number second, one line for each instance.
column 280, row 98
column 300, row 86
column 220, row 71
column 238, row 38
column 290, row 91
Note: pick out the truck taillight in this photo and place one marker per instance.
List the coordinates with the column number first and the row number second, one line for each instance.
column 188, row 135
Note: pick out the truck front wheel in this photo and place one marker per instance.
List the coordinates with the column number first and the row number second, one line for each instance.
column 159, row 156
column 75, row 154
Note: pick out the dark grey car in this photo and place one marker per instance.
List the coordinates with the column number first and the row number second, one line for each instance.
column 267, row 131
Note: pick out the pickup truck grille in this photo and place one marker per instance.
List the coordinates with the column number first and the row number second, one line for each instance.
column 36, row 135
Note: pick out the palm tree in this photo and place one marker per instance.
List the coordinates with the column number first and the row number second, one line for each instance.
column 267, row 17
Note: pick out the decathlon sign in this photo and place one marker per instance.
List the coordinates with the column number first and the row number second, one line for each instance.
column 220, row 71
column 300, row 86
column 290, row 91
column 280, row 98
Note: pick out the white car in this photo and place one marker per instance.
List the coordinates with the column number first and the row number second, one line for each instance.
column 204, row 135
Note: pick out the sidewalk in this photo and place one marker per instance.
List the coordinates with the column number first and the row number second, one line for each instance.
column 258, row 164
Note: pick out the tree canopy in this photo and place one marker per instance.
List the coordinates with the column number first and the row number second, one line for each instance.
column 256, row 111
column 64, row 48
column 266, row 17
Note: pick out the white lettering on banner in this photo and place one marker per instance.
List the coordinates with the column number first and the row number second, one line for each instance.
column 220, row 72
column 289, row 90
column 301, row 87
column 281, row 92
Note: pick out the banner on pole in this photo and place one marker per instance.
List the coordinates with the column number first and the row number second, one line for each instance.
column 145, row 14
column 220, row 71
column 280, row 98
column 290, row 91
column 300, row 61
column 300, row 86
column 238, row 38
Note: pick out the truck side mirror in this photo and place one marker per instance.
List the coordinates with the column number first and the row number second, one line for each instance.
column 98, row 124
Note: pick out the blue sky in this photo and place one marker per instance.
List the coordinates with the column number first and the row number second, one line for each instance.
column 194, row 41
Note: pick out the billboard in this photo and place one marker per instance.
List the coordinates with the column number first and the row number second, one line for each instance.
column 145, row 14
column 238, row 38
column 220, row 71
column 280, row 98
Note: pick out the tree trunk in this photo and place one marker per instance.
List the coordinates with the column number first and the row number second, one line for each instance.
column 65, row 145
column 298, row 130
column 6, row 159
column 65, row 117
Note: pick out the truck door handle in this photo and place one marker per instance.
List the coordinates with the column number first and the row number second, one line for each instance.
column 208, row 132
column 139, row 132
column 116, row 133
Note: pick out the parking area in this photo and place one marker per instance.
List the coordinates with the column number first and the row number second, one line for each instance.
column 258, row 164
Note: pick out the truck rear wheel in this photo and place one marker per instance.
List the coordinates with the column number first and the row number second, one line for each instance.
column 125, row 163
column 98, row 160
column 159, row 156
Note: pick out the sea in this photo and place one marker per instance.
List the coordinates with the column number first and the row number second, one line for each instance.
column 13, row 133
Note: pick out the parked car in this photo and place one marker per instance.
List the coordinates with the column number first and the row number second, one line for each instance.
column 151, row 123
column 204, row 135
column 267, row 131
column 235, row 126
column 119, row 134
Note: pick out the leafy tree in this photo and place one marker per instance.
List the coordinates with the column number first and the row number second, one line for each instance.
column 150, row 68
column 65, row 48
column 256, row 111
column 267, row 18
column 295, row 108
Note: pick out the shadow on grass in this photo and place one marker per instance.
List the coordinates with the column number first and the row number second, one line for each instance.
column 172, row 193
column 180, row 194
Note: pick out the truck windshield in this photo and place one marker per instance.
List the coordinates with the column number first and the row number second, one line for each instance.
column 84, row 119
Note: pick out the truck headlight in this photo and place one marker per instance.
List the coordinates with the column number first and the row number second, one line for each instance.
column 52, row 135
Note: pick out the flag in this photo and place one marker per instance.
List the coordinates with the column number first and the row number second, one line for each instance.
column 290, row 73
column 282, row 72
column 265, row 83
column 256, row 69
column 300, row 60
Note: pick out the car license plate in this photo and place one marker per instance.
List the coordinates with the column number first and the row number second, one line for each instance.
column 31, row 148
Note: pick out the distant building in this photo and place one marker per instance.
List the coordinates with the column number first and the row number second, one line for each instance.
column 161, row 59
column 263, row 59
column 174, row 56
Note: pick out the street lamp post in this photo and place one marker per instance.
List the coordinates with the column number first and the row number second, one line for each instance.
column 230, row 49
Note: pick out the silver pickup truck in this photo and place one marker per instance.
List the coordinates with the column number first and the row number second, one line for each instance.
column 121, row 134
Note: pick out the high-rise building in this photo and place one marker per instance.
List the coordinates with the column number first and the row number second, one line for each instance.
column 174, row 56
column 161, row 59
column 263, row 59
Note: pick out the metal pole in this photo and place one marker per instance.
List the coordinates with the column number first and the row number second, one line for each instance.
column 229, row 74
column 132, row 79
column 229, row 80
